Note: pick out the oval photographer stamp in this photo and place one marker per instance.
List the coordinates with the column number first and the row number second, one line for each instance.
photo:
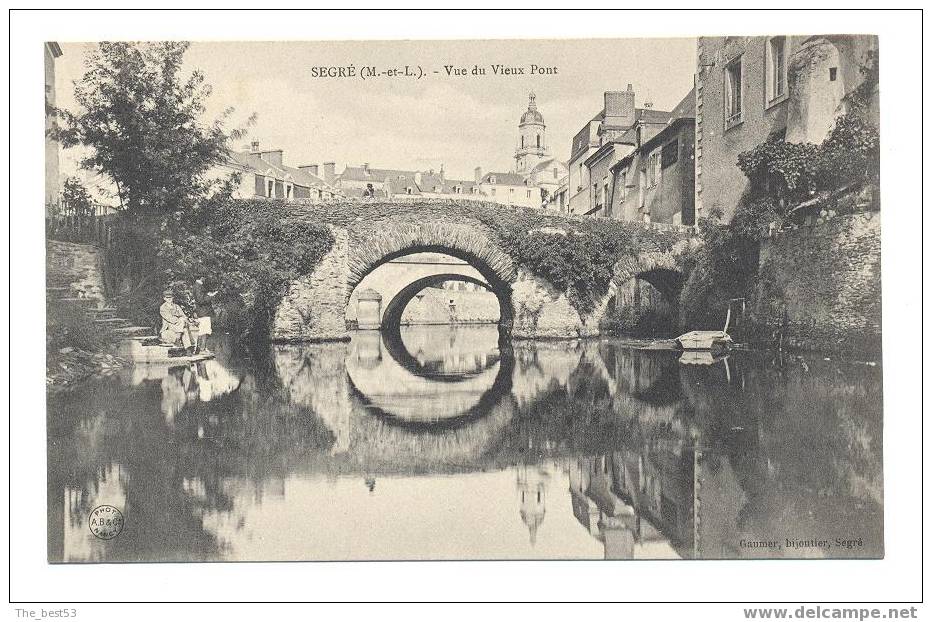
column 105, row 522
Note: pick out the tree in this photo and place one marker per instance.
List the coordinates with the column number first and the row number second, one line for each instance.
column 143, row 122
column 76, row 199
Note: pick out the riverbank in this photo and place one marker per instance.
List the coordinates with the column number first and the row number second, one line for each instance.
column 69, row 366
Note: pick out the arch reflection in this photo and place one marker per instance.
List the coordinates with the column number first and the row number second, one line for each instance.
column 430, row 377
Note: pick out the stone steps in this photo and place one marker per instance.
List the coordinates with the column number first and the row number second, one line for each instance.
column 103, row 313
column 112, row 322
column 133, row 331
column 87, row 303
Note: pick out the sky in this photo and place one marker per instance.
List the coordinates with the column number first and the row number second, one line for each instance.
column 418, row 124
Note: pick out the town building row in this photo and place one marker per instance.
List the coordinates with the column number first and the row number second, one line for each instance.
column 626, row 162
column 641, row 164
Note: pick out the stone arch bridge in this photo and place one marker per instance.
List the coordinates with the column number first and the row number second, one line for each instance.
column 367, row 234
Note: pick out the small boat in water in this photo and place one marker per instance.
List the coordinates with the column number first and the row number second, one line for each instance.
column 710, row 340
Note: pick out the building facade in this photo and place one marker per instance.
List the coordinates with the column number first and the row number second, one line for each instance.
column 655, row 182
column 263, row 174
column 609, row 136
column 365, row 180
column 750, row 89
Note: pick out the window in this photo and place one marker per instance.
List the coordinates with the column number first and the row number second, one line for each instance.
column 538, row 141
column 642, row 183
column 289, row 192
column 776, row 69
column 605, row 193
column 492, row 179
column 832, row 74
column 408, row 190
column 653, row 170
column 522, row 142
column 733, row 99
column 529, row 194
column 622, row 183
column 669, row 153
column 270, row 188
column 493, row 192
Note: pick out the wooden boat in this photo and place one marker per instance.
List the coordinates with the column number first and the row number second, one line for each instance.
column 710, row 340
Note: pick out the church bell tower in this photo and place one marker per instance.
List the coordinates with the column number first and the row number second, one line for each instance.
column 532, row 138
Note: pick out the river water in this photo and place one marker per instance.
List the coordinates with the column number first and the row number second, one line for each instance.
column 439, row 444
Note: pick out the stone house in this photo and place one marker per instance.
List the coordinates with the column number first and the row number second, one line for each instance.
column 508, row 189
column 264, row 174
column 749, row 89
column 655, row 182
column 605, row 139
column 355, row 180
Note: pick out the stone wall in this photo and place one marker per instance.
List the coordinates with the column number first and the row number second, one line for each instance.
column 79, row 267
column 819, row 284
column 315, row 306
column 432, row 306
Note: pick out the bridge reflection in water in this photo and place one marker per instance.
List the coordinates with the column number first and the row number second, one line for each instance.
column 441, row 442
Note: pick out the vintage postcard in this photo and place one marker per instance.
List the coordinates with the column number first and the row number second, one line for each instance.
column 545, row 299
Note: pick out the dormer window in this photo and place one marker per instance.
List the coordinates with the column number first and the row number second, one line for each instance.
column 492, row 179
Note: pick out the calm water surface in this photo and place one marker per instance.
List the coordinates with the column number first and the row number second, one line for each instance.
column 440, row 444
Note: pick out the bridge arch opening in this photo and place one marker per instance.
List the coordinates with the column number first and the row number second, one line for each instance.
column 427, row 288
column 646, row 303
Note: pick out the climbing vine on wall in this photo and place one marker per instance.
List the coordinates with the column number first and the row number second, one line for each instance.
column 578, row 257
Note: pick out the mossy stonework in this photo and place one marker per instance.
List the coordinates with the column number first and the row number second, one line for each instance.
column 819, row 285
column 541, row 295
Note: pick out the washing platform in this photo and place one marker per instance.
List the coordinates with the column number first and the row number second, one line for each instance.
column 149, row 349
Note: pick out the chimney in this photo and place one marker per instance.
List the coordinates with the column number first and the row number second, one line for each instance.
column 478, row 173
column 309, row 168
column 329, row 171
column 619, row 108
column 273, row 157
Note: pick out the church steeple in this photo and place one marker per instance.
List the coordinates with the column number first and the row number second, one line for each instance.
column 532, row 138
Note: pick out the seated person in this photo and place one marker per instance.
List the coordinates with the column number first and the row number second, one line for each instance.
column 175, row 324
